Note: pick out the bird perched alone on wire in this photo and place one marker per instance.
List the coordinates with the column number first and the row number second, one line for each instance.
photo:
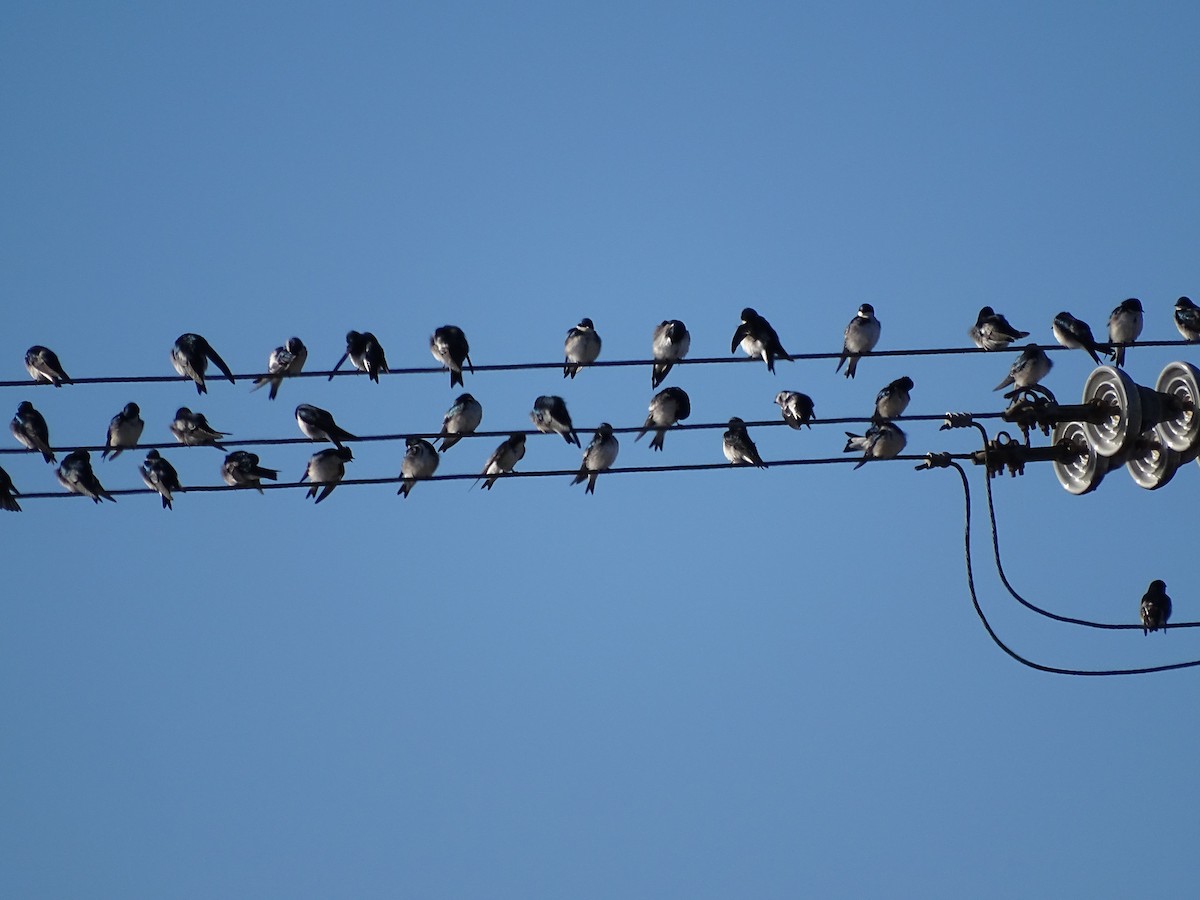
column 125, row 430
column 1030, row 368
column 1155, row 608
column 461, row 418
column 503, row 459
column 449, row 347
column 1187, row 318
column 892, row 400
column 29, row 427
column 283, row 361
column 670, row 405
column 758, row 339
column 669, row 345
column 192, row 429
column 882, row 441
column 318, row 425
column 44, row 367
column 1125, row 326
column 420, row 461
column 325, row 469
column 600, row 454
column 550, row 416
column 241, row 469
column 8, row 493
column 797, row 408
column 739, row 449
column 581, row 348
column 861, row 336
column 159, row 475
column 992, row 331
column 1076, row 334
column 190, row 357
column 76, row 475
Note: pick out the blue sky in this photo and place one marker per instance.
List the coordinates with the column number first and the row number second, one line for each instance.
column 732, row 683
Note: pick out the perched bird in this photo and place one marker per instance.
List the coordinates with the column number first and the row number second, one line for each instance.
column 420, row 461
column 1187, row 318
column 190, row 357
column 1074, row 333
column 797, row 408
column 317, row 424
column 1156, row 607
column 241, row 469
column 449, row 347
column 159, row 475
column 125, row 430
column 739, row 449
column 991, row 331
column 581, row 347
column 550, row 416
column 328, row 466
column 76, row 475
column 193, row 430
column 1030, row 368
column 366, row 354
column 758, row 339
column 461, row 418
column 600, row 454
column 44, row 367
column 8, row 493
column 503, row 459
column 283, row 361
column 671, row 344
column 893, row 400
column 861, row 336
column 882, row 441
column 29, row 427
column 670, row 405
column 1125, row 326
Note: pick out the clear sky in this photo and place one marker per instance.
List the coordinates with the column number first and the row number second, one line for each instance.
column 718, row 684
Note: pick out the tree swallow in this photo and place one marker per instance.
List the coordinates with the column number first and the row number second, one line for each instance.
column 671, row 344
column 550, row 416
column 862, row 334
column 125, row 430
column 758, row 339
column 505, row 457
column 76, row 475
column 284, row 361
column 327, row 466
column 449, row 347
column 797, row 408
column 317, row 424
column 461, row 418
column 1074, row 333
column 1187, row 319
column 241, row 469
column 159, row 475
column 29, row 427
column 991, row 331
column 1156, row 607
column 193, row 430
column 892, row 401
column 882, row 441
column 739, row 449
column 190, row 357
column 44, row 367
column 8, row 493
column 420, row 461
column 581, row 348
column 1125, row 326
column 366, row 354
column 600, row 454
column 1030, row 368
column 670, row 405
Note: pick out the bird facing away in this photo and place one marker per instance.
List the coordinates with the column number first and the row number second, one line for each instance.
column 882, row 441
column 739, row 448
column 461, row 418
column 190, row 357
column 503, row 459
column 1155, row 608
column 241, row 469
column 581, row 348
column 317, row 424
column 159, row 475
column 670, row 405
column 1075, row 334
column 758, row 339
column 992, row 331
column 600, row 454
column 1125, row 326
column 420, row 461
column 892, row 400
column 550, row 416
column 8, row 493
column 861, row 336
column 449, row 347
column 192, row 429
column 325, row 469
column 125, row 430
column 365, row 353
column 1187, row 318
column 1030, row 368
column 670, row 344
column 29, row 427
column 44, row 367
column 283, row 361
column 76, row 475
column 797, row 408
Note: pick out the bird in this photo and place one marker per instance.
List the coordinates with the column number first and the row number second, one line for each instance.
column 76, row 475
column 503, row 459
column 892, row 400
column 8, row 493
column 159, row 475
column 670, row 344
column 1155, row 607
column 241, row 469
column 738, row 447
column 283, row 361
column 44, row 367
column 797, row 408
column 670, row 405
column 29, row 427
column 1074, row 333
column 1030, row 368
column 420, row 461
column 328, row 466
column 190, row 357
column 992, row 331
column 882, row 441
column 1187, row 318
column 1125, row 327
column 125, row 430
column 550, row 416
column 366, row 354
column 317, row 424
column 861, row 336
column 758, row 339
column 449, row 346
column 600, row 454
column 581, row 348
column 192, row 429
column 461, row 418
